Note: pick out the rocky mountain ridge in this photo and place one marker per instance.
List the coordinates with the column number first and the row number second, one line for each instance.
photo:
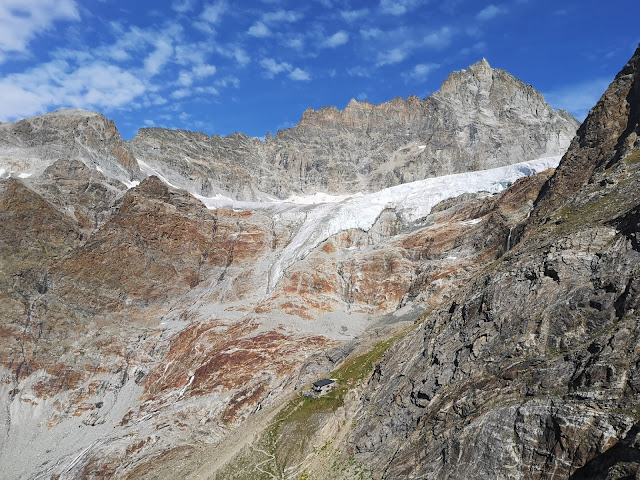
column 142, row 328
column 531, row 369
column 481, row 118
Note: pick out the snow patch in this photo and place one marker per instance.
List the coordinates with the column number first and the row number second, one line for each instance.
column 317, row 198
column 130, row 184
column 150, row 171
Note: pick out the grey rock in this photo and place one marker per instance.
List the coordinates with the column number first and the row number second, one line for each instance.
column 481, row 118
column 531, row 371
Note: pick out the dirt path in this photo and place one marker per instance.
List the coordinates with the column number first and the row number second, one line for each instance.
column 214, row 458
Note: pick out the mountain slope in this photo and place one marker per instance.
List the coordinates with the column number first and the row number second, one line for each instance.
column 531, row 371
column 142, row 325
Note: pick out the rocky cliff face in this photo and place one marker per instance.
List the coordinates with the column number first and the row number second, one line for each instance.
column 29, row 146
column 481, row 118
column 531, row 370
column 145, row 331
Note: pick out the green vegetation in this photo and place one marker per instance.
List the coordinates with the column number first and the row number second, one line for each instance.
column 286, row 442
column 632, row 159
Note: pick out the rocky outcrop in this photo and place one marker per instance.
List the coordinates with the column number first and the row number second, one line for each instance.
column 481, row 118
column 609, row 134
column 29, row 146
column 530, row 371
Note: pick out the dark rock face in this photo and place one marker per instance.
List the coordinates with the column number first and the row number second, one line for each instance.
column 481, row 118
column 532, row 370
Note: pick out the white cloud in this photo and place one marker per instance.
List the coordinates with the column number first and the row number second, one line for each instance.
column 579, row 98
column 234, row 51
column 281, row 16
column 180, row 93
column 57, row 84
column 295, row 42
column 182, row 6
column 391, row 56
column 438, row 39
column 185, row 79
column 207, row 90
column 489, row 12
column 359, row 71
column 477, row 47
column 259, row 30
column 159, row 57
column 204, row 70
column 337, row 39
column 421, row 71
column 273, row 68
column 362, row 96
column 369, row 33
column 353, row 15
column 399, row 7
column 228, row 81
column 299, row 75
column 22, row 20
column 213, row 12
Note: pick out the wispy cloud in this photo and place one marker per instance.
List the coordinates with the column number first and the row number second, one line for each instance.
column 439, row 39
column 299, row 75
column 272, row 67
column 22, row 20
column 234, row 51
column 353, row 15
column 403, row 42
column 211, row 16
column 96, row 85
column 399, row 7
column 369, row 33
column 279, row 16
column 183, row 6
column 579, row 98
column 489, row 12
column 395, row 55
column 421, row 71
column 157, row 59
column 213, row 12
column 259, row 30
column 337, row 39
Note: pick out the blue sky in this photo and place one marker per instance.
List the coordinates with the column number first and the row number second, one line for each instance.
column 254, row 66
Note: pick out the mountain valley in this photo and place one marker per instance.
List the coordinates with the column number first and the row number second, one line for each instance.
column 466, row 266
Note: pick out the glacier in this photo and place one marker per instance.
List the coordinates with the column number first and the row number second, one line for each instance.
column 326, row 215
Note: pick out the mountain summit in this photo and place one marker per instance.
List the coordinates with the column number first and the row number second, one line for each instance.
column 480, row 118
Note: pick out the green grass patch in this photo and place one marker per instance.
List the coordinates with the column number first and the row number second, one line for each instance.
column 286, row 442
column 632, row 159
column 296, row 424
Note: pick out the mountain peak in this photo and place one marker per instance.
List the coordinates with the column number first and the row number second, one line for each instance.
column 480, row 64
column 610, row 133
